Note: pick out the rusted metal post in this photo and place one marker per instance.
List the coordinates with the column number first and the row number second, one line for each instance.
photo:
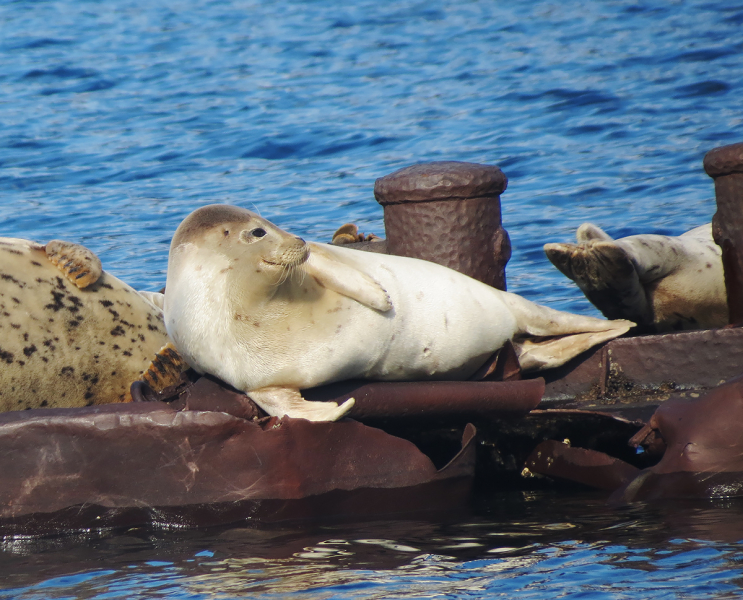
column 725, row 166
column 448, row 213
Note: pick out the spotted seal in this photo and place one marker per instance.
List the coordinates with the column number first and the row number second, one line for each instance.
column 272, row 314
column 660, row 282
column 72, row 334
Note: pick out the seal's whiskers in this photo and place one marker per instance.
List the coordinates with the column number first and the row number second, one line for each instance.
column 285, row 273
column 301, row 273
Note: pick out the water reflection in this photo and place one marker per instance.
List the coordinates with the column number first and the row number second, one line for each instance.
column 521, row 544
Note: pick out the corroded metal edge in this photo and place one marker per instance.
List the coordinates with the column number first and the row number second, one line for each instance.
column 646, row 368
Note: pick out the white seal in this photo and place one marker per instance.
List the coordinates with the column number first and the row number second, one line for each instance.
column 271, row 314
column 660, row 282
column 70, row 333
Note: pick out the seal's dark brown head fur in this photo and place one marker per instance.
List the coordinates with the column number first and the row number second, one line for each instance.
column 206, row 218
column 230, row 230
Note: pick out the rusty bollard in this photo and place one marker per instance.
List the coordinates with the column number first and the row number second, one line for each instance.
column 725, row 166
column 448, row 213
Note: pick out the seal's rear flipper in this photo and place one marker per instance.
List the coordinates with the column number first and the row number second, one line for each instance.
column 541, row 321
column 165, row 369
column 80, row 265
column 589, row 232
column 280, row 401
column 606, row 274
column 345, row 279
column 546, row 353
column 156, row 298
column 548, row 338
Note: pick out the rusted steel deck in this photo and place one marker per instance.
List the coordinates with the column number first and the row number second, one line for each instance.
column 645, row 417
column 148, row 463
column 625, row 370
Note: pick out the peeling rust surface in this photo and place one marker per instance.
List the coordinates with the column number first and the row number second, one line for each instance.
column 699, row 442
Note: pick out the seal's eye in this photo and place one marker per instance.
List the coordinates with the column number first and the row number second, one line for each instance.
column 248, row 236
column 226, row 232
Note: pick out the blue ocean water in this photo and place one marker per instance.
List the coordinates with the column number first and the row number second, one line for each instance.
column 117, row 119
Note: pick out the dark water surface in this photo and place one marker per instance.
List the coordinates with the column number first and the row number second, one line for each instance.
column 518, row 545
column 119, row 118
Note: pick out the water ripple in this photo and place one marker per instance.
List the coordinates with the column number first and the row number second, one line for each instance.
column 118, row 119
column 519, row 547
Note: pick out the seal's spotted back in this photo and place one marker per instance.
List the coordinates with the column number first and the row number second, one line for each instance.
column 62, row 346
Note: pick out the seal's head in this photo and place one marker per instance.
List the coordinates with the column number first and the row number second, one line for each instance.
column 228, row 268
column 234, row 233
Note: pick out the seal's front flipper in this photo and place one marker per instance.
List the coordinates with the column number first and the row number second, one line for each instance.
column 280, row 401
column 165, row 369
column 346, row 279
column 80, row 265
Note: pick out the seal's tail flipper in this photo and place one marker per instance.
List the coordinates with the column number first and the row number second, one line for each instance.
column 281, row 401
column 545, row 353
column 549, row 338
column 606, row 274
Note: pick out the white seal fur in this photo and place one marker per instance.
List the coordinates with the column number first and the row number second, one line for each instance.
column 660, row 282
column 271, row 315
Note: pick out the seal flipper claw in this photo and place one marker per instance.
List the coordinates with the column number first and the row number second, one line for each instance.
column 345, row 279
column 281, row 401
column 165, row 369
column 79, row 264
